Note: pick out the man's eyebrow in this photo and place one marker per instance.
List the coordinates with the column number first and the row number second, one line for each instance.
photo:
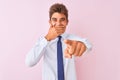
column 62, row 18
column 53, row 18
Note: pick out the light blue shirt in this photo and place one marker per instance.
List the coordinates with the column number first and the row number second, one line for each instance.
column 48, row 50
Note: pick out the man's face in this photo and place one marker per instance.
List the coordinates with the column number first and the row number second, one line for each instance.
column 59, row 20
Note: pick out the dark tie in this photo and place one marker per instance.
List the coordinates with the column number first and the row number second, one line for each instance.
column 60, row 66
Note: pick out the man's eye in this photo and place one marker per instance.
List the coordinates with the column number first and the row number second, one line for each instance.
column 62, row 19
column 53, row 19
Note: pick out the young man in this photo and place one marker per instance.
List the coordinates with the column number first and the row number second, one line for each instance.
column 57, row 47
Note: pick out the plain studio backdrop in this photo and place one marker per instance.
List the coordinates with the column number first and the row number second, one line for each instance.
column 23, row 21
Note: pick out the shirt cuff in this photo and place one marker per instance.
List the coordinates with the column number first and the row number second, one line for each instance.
column 43, row 41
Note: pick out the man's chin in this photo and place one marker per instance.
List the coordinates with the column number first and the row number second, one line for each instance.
column 61, row 33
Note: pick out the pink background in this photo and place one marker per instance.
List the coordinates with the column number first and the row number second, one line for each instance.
column 23, row 21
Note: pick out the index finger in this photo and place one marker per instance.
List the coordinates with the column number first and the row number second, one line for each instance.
column 71, row 44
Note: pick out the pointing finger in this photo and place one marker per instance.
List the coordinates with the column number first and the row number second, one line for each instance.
column 67, row 54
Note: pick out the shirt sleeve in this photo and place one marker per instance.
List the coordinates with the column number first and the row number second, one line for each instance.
column 35, row 54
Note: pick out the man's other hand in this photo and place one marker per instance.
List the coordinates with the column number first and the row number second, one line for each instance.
column 76, row 48
column 54, row 31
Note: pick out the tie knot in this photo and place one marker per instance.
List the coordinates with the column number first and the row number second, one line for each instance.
column 59, row 37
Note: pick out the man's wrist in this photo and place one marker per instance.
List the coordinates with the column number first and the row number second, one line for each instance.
column 48, row 39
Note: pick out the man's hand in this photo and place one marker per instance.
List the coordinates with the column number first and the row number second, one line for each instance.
column 54, row 31
column 76, row 48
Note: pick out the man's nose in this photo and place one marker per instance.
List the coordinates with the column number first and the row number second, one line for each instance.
column 58, row 23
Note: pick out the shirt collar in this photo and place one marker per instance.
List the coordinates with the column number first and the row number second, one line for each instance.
column 64, row 35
